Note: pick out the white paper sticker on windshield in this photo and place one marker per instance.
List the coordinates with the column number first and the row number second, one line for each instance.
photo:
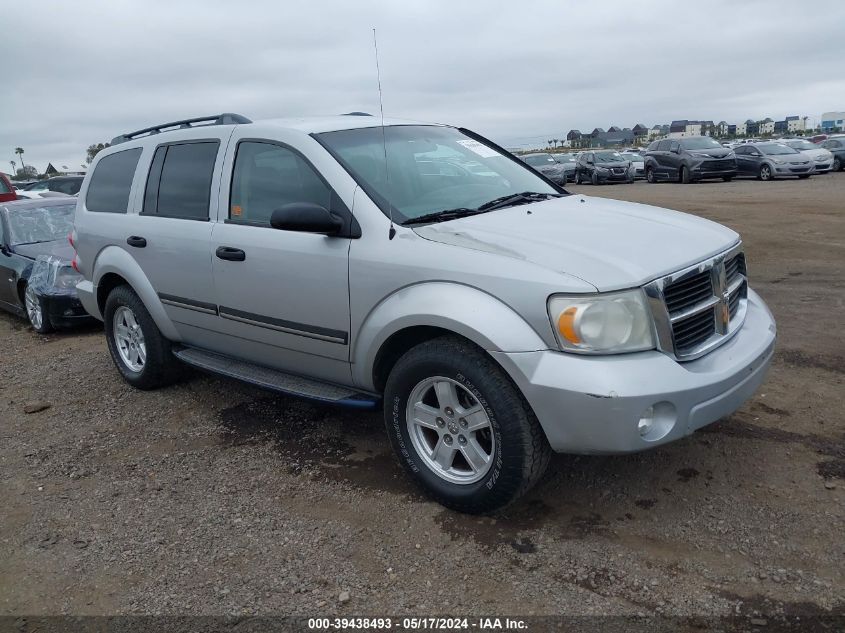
column 479, row 148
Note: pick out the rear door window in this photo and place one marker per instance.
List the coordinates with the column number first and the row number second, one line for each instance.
column 179, row 182
column 108, row 191
column 663, row 146
column 3, row 187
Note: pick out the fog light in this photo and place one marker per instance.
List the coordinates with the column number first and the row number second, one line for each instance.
column 657, row 421
column 646, row 422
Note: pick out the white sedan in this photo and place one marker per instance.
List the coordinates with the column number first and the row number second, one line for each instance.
column 822, row 158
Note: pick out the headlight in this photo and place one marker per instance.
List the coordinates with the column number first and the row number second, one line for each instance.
column 601, row 168
column 602, row 324
column 778, row 161
column 67, row 278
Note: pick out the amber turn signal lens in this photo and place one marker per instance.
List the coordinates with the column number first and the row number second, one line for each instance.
column 566, row 325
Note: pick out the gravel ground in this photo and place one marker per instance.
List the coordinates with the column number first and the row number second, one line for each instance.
column 211, row 497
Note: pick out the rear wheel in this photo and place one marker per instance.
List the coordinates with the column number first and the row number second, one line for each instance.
column 765, row 172
column 36, row 311
column 460, row 427
column 139, row 350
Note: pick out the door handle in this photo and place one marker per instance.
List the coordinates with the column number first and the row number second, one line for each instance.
column 136, row 241
column 230, row 254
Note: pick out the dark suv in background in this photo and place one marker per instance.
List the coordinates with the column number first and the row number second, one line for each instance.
column 601, row 167
column 689, row 159
column 548, row 166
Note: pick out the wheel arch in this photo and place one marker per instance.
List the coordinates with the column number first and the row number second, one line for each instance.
column 114, row 267
column 425, row 311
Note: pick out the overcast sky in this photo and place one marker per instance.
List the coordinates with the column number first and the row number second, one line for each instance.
column 80, row 73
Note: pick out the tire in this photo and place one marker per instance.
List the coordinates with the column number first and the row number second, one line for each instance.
column 154, row 366
column 594, row 178
column 685, row 175
column 510, row 437
column 577, row 178
column 804, row 177
column 36, row 311
column 765, row 172
column 837, row 164
column 649, row 176
column 727, row 178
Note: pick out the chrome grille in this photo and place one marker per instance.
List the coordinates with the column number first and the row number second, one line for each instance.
column 699, row 308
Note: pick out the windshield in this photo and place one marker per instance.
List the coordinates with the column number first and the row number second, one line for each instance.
column 801, row 144
column 700, row 142
column 411, row 186
column 565, row 158
column 40, row 224
column 776, row 149
column 609, row 157
column 632, row 157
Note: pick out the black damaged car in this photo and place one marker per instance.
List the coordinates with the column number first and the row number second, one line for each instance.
column 689, row 159
column 599, row 167
column 37, row 279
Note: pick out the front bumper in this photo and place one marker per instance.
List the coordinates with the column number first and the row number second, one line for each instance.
column 614, row 177
column 66, row 310
column 592, row 404
column 793, row 170
column 823, row 167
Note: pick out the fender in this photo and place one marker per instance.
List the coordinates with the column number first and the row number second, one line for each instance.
column 464, row 310
column 113, row 259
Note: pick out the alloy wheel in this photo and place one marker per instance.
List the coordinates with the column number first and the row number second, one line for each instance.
column 129, row 339
column 450, row 430
column 33, row 308
column 765, row 172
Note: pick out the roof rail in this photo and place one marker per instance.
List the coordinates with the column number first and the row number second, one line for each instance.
column 356, row 114
column 227, row 118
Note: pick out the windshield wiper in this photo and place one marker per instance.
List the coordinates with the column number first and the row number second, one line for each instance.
column 443, row 216
column 516, row 198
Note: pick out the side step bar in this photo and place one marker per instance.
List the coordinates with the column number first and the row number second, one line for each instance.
column 275, row 380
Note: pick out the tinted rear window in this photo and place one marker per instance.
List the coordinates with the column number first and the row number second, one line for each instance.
column 3, row 187
column 111, row 182
column 183, row 189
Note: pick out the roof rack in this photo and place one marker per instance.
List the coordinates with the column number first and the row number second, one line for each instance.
column 356, row 114
column 227, row 118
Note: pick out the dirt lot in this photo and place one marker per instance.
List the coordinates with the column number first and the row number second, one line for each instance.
column 216, row 498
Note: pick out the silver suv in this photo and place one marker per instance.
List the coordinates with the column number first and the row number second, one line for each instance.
column 494, row 316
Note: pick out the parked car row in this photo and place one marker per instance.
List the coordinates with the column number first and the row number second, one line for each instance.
column 492, row 317
column 694, row 158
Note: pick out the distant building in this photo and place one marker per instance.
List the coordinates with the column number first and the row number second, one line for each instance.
column 832, row 120
column 767, row 126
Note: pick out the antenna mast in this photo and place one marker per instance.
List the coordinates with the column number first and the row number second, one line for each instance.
column 392, row 233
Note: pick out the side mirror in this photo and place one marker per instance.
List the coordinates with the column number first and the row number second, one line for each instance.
column 306, row 217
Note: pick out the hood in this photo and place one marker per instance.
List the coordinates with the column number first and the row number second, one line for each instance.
column 817, row 153
column 607, row 243
column 549, row 167
column 58, row 248
column 800, row 158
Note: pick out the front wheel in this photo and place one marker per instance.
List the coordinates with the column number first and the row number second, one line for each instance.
column 139, row 350
column 837, row 164
column 649, row 176
column 803, row 176
column 594, row 178
column 460, row 427
column 36, row 311
column 727, row 178
column 685, row 175
column 765, row 172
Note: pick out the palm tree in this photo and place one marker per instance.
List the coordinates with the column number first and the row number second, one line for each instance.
column 19, row 152
column 550, row 142
column 14, row 167
column 555, row 141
